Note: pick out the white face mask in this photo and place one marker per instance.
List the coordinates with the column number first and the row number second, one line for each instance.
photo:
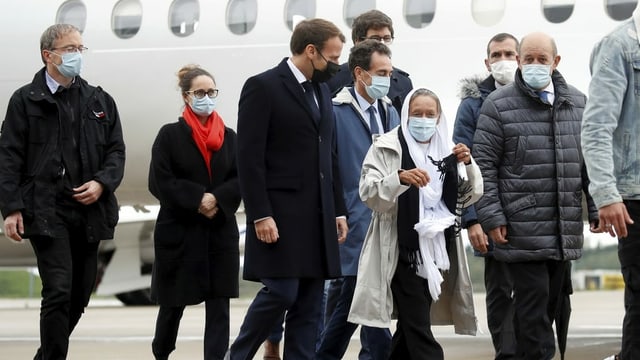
column 504, row 71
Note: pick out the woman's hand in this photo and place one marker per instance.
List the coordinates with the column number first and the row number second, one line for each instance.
column 462, row 153
column 416, row 177
column 208, row 205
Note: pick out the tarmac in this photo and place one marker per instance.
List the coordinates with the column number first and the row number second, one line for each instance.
column 109, row 330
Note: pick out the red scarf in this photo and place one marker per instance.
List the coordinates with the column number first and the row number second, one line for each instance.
column 208, row 137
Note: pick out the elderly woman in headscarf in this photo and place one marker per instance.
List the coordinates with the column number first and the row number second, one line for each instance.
column 413, row 266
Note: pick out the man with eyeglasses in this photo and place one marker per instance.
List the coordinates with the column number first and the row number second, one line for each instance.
column 374, row 25
column 361, row 111
column 62, row 157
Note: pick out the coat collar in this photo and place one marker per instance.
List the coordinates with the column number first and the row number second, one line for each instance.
column 561, row 88
column 293, row 86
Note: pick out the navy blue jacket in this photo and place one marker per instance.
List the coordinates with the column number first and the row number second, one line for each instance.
column 473, row 92
column 353, row 141
column 287, row 169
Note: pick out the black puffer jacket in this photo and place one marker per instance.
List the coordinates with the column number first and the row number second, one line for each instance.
column 534, row 175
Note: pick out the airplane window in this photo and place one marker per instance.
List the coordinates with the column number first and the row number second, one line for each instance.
column 184, row 16
column 487, row 12
column 419, row 13
column 621, row 9
column 72, row 12
column 241, row 16
column 353, row 8
column 126, row 18
column 557, row 11
column 298, row 10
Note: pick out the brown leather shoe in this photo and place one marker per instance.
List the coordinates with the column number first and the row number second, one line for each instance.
column 271, row 351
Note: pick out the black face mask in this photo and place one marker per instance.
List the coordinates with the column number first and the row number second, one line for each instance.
column 326, row 74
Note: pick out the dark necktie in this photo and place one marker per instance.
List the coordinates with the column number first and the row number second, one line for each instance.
column 311, row 101
column 373, row 123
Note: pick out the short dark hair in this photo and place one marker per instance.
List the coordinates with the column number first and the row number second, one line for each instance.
column 372, row 19
column 189, row 72
column 360, row 54
column 500, row 38
column 315, row 32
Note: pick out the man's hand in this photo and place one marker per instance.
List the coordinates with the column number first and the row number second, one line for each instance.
column 14, row 227
column 478, row 238
column 266, row 230
column 343, row 229
column 416, row 177
column 88, row 193
column 614, row 219
column 499, row 234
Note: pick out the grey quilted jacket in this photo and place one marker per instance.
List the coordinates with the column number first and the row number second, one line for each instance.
column 533, row 171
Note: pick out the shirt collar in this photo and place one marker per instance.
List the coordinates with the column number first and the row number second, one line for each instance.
column 296, row 72
column 363, row 103
column 549, row 88
column 52, row 84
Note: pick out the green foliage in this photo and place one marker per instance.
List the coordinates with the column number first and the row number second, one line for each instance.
column 19, row 284
column 599, row 258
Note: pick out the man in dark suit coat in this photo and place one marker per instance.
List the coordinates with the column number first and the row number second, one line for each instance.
column 376, row 25
column 291, row 190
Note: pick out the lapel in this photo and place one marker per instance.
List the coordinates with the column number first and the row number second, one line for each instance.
column 360, row 111
column 295, row 89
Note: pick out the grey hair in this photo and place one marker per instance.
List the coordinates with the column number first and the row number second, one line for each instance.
column 427, row 92
column 52, row 33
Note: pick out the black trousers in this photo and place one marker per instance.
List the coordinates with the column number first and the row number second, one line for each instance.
column 413, row 339
column 629, row 255
column 216, row 329
column 538, row 285
column 68, row 269
column 500, row 307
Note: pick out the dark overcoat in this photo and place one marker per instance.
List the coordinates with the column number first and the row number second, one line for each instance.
column 288, row 170
column 196, row 258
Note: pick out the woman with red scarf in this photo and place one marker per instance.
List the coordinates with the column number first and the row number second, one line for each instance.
column 193, row 175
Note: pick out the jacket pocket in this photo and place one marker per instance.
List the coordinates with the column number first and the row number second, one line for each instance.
column 518, row 160
column 27, row 194
column 514, row 207
column 635, row 63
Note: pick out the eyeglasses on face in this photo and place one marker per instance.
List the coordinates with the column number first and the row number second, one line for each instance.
column 383, row 39
column 199, row 93
column 72, row 49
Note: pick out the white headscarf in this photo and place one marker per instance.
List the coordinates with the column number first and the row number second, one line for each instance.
column 434, row 215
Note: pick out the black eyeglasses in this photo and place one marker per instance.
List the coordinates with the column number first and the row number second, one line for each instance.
column 383, row 39
column 72, row 49
column 212, row 93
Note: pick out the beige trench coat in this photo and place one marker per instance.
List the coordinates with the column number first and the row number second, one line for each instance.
column 372, row 301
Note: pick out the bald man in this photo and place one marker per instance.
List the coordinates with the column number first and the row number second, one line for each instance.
column 527, row 144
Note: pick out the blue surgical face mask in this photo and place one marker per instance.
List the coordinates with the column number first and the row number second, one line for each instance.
column 422, row 128
column 537, row 76
column 379, row 86
column 71, row 64
column 204, row 106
